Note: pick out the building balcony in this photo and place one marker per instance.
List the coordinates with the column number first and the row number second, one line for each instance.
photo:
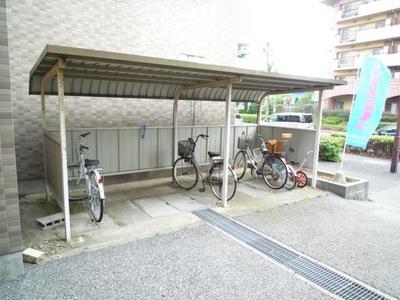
column 367, row 9
column 351, row 87
column 369, row 35
column 353, row 62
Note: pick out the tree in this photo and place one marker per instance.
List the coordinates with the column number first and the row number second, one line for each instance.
column 269, row 58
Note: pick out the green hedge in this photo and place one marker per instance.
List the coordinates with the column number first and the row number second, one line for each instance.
column 331, row 147
column 383, row 124
column 386, row 117
column 378, row 145
column 249, row 118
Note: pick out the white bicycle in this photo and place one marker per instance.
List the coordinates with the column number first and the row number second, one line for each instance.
column 91, row 192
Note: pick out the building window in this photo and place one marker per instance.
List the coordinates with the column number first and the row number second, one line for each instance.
column 341, row 77
column 377, row 51
column 349, row 9
column 339, row 105
column 380, row 24
column 347, row 35
column 345, row 59
column 396, row 75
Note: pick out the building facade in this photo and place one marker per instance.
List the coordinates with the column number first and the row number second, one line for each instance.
column 364, row 28
column 206, row 31
column 10, row 229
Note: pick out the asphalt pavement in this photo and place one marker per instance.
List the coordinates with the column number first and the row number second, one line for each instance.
column 359, row 238
column 195, row 263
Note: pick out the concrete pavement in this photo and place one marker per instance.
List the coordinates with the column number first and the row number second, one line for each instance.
column 384, row 186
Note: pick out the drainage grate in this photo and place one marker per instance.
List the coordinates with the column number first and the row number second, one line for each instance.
column 332, row 281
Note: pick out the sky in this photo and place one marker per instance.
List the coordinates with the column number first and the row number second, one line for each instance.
column 300, row 34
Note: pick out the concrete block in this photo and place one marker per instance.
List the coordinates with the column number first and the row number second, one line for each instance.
column 125, row 212
column 182, row 202
column 252, row 190
column 156, row 207
column 32, row 256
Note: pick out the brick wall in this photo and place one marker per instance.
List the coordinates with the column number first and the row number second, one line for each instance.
column 10, row 230
column 161, row 28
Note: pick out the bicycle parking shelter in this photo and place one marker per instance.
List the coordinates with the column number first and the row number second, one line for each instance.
column 66, row 71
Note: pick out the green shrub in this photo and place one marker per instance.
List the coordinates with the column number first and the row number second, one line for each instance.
column 378, row 145
column 337, row 112
column 330, row 148
column 387, row 117
column 249, row 118
column 383, row 124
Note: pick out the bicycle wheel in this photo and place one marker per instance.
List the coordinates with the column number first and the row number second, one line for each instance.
column 216, row 180
column 274, row 172
column 301, row 179
column 184, row 173
column 95, row 202
column 291, row 181
column 240, row 164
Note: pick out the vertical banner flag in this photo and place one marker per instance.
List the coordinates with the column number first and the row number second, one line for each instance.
column 373, row 86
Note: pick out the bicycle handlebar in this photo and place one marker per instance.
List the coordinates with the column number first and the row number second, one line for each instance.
column 85, row 134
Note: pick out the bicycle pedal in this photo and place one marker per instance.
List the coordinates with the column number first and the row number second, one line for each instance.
column 202, row 190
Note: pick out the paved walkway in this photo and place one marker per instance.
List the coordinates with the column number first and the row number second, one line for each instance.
column 384, row 186
column 360, row 238
column 195, row 263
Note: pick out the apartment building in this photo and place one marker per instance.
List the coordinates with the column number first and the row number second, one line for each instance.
column 364, row 28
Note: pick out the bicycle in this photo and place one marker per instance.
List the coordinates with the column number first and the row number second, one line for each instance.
column 92, row 191
column 268, row 165
column 186, row 170
column 298, row 177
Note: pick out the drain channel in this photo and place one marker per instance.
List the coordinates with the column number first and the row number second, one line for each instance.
column 334, row 282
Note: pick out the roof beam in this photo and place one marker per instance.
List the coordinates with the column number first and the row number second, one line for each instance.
column 216, row 83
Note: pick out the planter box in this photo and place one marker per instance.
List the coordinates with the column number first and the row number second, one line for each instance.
column 354, row 188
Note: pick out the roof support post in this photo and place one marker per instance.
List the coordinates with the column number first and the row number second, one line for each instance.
column 63, row 144
column 175, row 127
column 227, row 143
column 44, row 128
column 259, row 108
column 316, row 141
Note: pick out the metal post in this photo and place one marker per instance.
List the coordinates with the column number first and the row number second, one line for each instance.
column 63, row 144
column 226, row 143
column 316, row 142
column 43, row 107
column 396, row 142
column 175, row 128
column 259, row 107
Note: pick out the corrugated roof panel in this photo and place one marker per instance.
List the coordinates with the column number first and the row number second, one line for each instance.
column 108, row 74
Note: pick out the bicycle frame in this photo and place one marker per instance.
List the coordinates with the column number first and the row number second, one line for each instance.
column 86, row 172
column 204, row 177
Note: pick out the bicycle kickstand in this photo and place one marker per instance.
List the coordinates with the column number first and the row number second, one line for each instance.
column 202, row 189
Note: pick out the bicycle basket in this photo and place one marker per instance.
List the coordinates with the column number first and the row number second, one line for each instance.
column 243, row 141
column 185, row 148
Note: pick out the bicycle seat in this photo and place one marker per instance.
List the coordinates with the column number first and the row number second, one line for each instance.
column 91, row 162
column 213, row 154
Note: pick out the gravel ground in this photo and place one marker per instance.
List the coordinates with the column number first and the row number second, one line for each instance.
column 195, row 263
column 384, row 187
column 360, row 238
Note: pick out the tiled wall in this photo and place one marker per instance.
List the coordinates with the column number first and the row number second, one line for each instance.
column 10, row 230
column 161, row 28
